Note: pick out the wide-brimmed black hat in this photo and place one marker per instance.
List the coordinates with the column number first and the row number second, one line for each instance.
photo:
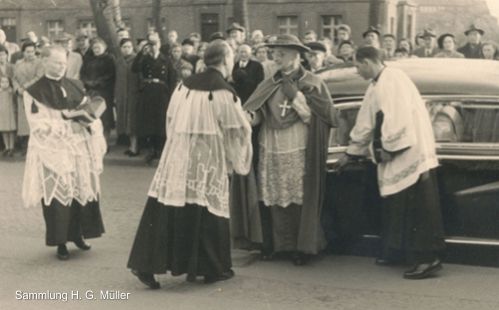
column 235, row 26
column 473, row 27
column 316, row 46
column 288, row 41
column 441, row 39
column 369, row 30
column 428, row 32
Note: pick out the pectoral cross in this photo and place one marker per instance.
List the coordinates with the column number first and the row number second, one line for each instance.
column 284, row 106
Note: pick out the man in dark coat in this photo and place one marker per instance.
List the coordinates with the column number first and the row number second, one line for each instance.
column 428, row 49
column 157, row 78
column 293, row 112
column 247, row 73
column 472, row 49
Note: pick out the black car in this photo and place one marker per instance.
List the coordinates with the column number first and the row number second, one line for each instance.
column 462, row 97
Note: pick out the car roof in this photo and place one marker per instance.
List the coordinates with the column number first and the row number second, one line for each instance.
column 432, row 76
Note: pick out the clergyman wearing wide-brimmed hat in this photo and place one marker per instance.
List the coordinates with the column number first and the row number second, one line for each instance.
column 473, row 49
column 428, row 49
column 292, row 113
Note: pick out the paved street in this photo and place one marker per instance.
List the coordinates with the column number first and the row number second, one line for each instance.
column 329, row 282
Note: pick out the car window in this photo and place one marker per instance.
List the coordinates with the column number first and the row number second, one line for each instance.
column 453, row 121
column 465, row 121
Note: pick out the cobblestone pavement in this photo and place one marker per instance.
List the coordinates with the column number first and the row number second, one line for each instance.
column 329, row 282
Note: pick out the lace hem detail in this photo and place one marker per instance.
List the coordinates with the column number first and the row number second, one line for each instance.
column 281, row 178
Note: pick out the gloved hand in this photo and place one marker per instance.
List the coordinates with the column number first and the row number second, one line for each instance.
column 289, row 88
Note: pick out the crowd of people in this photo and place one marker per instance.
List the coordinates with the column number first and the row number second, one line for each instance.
column 252, row 109
column 149, row 69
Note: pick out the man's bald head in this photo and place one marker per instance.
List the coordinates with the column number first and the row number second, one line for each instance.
column 244, row 52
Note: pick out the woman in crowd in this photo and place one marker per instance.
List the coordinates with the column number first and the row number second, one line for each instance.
column 346, row 51
column 98, row 74
column 126, row 96
column 200, row 65
column 406, row 44
column 489, row 50
column 269, row 66
column 447, row 45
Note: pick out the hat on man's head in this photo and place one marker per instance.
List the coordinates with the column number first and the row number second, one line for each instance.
column 344, row 27
column 316, row 47
column 369, row 30
column 389, row 35
column 473, row 27
column 288, row 41
column 235, row 26
column 63, row 37
column 187, row 42
column 217, row 36
column 427, row 33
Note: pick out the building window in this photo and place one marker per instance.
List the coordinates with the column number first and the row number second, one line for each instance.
column 88, row 27
column 328, row 26
column 54, row 28
column 410, row 22
column 288, row 24
column 392, row 25
column 209, row 24
column 8, row 25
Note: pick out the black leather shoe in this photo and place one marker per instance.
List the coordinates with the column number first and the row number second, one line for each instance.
column 222, row 277
column 422, row 271
column 300, row 259
column 147, row 279
column 62, row 252
column 82, row 245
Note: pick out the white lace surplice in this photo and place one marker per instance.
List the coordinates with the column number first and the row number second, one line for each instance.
column 206, row 141
column 60, row 164
column 281, row 163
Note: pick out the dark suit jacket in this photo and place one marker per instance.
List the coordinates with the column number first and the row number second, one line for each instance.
column 471, row 52
column 420, row 52
column 247, row 79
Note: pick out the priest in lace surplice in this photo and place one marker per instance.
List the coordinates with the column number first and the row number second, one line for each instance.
column 393, row 126
column 293, row 113
column 185, row 225
column 64, row 158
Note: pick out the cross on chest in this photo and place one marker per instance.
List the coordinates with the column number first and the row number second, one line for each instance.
column 284, row 106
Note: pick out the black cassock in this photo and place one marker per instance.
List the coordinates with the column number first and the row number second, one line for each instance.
column 184, row 240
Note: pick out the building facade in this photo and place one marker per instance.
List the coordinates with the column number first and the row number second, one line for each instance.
column 52, row 17
column 455, row 16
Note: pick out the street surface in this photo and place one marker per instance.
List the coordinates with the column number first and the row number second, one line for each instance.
column 328, row 282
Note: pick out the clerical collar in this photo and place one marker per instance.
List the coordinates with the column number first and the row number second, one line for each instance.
column 376, row 78
column 55, row 79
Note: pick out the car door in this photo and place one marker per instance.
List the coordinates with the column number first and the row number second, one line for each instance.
column 466, row 130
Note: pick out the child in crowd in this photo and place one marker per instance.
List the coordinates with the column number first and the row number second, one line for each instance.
column 7, row 116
